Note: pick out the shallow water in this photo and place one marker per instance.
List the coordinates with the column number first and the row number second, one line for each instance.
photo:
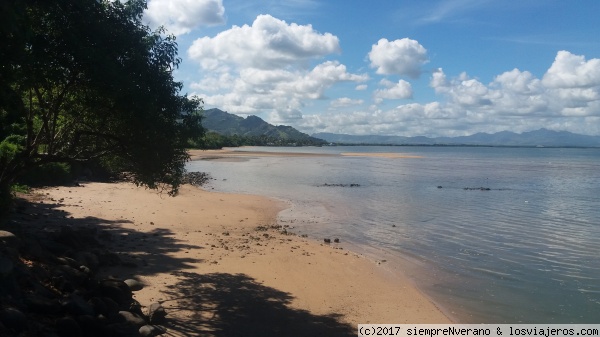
column 526, row 250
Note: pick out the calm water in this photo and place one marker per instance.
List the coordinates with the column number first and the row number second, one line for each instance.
column 527, row 250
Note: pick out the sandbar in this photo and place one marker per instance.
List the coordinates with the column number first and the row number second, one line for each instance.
column 233, row 155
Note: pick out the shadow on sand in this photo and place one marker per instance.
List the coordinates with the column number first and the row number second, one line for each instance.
column 236, row 305
column 220, row 304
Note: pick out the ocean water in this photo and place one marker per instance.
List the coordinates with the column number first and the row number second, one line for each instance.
column 524, row 249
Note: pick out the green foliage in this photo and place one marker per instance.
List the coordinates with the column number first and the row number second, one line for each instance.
column 214, row 140
column 87, row 81
column 19, row 188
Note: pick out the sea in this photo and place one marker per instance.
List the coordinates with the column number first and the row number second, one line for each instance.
column 490, row 234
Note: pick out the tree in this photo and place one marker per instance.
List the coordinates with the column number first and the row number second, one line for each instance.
column 86, row 79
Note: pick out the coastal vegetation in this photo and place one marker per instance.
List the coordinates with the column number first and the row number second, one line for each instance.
column 87, row 84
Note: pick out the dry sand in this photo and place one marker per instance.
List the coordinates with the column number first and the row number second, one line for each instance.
column 222, row 266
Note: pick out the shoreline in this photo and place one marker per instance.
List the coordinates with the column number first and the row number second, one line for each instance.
column 231, row 154
column 194, row 244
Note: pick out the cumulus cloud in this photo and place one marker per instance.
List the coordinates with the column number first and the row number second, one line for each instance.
column 400, row 90
column 268, row 67
column 182, row 16
column 570, row 71
column 566, row 98
column 268, row 43
column 400, row 57
column 284, row 92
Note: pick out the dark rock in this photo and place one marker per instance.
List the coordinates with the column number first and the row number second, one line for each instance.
column 77, row 306
column 72, row 275
column 129, row 264
column 439, row 187
column 112, row 307
column 90, row 325
column 336, row 240
column 134, row 285
column 151, row 330
column 327, row 240
column 6, row 267
column 99, row 306
column 35, row 251
column 116, row 290
column 53, row 246
column 63, row 284
column 88, row 259
column 156, row 313
column 107, row 258
column 338, row 185
column 42, row 305
column 122, row 329
column 9, row 287
column 67, row 261
column 9, row 239
column 477, row 189
column 68, row 327
column 133, row 318
column 85, row 270
column 80, row 238
column 13, row 319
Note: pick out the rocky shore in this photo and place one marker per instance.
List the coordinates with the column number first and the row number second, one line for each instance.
column 50, row 283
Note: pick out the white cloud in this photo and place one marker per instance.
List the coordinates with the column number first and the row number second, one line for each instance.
column 400, row 90
column 269, row 43
column 399, row 57
column 570, row 71
column 267, row 68
column 361, row 87
column 567, row 99
column 345, row 102
column 283, row 92
column 182, row 16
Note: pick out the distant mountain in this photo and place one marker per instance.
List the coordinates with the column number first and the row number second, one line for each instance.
column 252, row 126
column 541, row 137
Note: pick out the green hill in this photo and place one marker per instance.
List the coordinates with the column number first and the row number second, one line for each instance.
column 252, row 130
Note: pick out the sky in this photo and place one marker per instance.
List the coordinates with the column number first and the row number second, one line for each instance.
column 392, row 67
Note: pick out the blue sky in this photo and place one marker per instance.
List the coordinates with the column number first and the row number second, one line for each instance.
column 393, row 67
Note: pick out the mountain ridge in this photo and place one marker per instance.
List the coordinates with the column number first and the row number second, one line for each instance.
column 227, row 124
column 542, row 137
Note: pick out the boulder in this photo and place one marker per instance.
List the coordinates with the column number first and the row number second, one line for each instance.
column 116, row 290
column 134, row 285
column 151, row 330
column 13, row 319
column 156, row 313
column 68, row 327
column 77, row 306
column 9, row 239
column 133, row 318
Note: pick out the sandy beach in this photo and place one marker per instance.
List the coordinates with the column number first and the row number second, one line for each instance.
column 221, row 265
